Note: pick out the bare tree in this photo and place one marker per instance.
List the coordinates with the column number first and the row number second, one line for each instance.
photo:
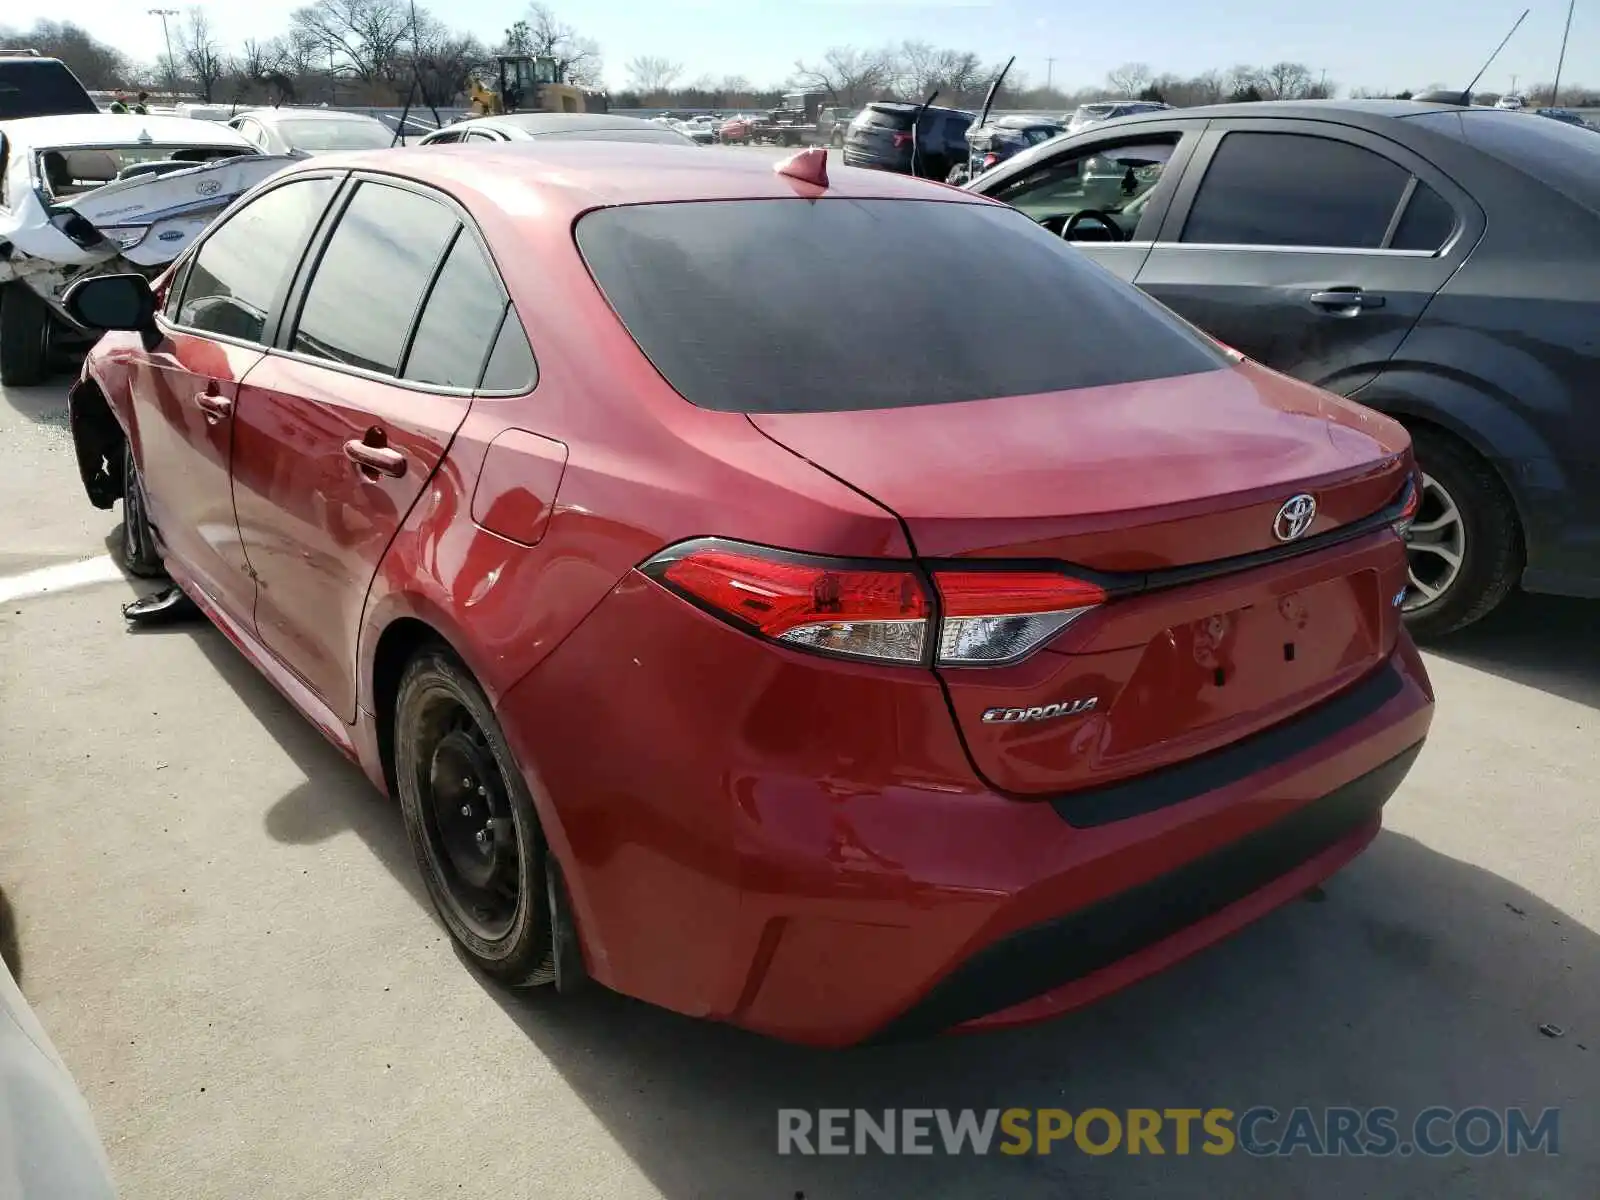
column 1285, row 81
column 99, row 65
column 850, row 76
column 920, row 70
column 650, row 75
column 200, row 54
column 542, row 34
column 362, row 38
column 443, row 61
column 1129, row 79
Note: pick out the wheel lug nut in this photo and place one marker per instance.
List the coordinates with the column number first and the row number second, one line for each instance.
column 482, row 791
column 466, row 783
column 483, row 837
column 466, row 810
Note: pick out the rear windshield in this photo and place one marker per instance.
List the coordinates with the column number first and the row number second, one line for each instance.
column 1561, row 156
column 30, row 88
column 1096, row 110
column 336, row 135
column 822, row 306
column 896, row 118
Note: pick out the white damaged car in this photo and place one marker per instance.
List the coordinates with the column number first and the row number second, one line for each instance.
column 91, row 194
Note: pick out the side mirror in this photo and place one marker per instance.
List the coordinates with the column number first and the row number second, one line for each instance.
column 114, row 302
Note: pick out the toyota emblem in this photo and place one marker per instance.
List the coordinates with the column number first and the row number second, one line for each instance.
column 1295, row 517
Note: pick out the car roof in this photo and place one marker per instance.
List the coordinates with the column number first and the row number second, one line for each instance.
column 273, row 115
column 1023, row 122
column 1354, row 112
column 905, row 106
column 535, row 124
column 567, row 177
column 117, row 129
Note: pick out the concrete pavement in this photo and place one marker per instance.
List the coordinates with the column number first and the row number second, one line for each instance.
column 225, row 936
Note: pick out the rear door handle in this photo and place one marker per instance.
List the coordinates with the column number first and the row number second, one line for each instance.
column 379, row 459
column 216, row 406
column 1346, row 302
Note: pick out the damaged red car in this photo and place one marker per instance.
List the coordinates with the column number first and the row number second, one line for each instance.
column 940, row 664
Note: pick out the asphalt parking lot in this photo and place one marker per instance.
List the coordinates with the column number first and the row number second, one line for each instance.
column 223, row 932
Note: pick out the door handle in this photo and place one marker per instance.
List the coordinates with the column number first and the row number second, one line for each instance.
column 1346, row 302
column 217, row 407
column 380, row 460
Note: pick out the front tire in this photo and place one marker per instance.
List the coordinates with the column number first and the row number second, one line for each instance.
column 1465, row 548
column 24, row 336
column 139, row 555
column 471, row 821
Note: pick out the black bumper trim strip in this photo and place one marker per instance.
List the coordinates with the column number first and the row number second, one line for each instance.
column 1042, row 957
column 1220, row 768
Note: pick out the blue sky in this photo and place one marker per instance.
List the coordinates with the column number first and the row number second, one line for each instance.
column 1373, row 43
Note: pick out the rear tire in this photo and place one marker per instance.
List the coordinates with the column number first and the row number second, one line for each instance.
column 1466, row 545
column 24, row 336
column 471, row 821
column 140, row 557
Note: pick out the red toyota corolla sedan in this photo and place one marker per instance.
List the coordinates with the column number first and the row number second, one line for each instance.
column 753, row 608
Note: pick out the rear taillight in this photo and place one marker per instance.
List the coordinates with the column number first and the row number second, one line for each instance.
column 990, row 159
column 902, row 140
column 994, row 617
column 1408, row 510
column 881, row 612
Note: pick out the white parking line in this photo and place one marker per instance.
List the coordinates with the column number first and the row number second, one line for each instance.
column 63, row 577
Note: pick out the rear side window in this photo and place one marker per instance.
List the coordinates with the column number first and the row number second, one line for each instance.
column 40, row 88
column 242, row 269
column 461, row 316
column 1427, row 222
column 723, row 298
column 1289, row 189
column 511, row 367
column 359, row 307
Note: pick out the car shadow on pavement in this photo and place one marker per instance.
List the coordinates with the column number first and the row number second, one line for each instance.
column 45, row 404
column 1414, row 980
column 1547, row 642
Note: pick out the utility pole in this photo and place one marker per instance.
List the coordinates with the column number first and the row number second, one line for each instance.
column 1049, row 73
column 1322, row 88
column 1555, row 88
column 172, row 63
column 1513, row 85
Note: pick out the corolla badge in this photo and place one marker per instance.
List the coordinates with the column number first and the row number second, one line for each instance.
column 1295, row 517
column 171, row 235
column 1014, row 716
column 208, row 187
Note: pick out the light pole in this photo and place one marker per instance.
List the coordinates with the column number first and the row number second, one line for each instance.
column 1555, row 88
column 1049, row 73
column 172, row 65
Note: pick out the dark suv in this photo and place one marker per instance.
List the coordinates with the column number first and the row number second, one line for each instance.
column 32, row 86
column 880, row 137
column 1436, row 261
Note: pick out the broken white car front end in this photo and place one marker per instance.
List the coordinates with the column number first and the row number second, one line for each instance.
column 69, row 210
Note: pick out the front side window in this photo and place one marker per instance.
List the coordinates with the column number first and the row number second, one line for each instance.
column 364, row 294
column 243, row 267
column 1116, row 181
column 1292, row 189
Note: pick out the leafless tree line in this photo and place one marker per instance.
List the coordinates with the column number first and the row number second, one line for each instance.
column 385, row 51
column 349, row 51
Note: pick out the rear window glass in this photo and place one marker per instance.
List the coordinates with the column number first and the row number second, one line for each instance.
column 893, row 119
column 40, row 89
column 834, row 305
column 1561, row 156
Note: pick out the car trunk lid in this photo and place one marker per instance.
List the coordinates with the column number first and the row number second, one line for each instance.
column 1169, row 493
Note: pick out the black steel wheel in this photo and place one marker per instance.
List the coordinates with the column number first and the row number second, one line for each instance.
column 139, row 554
column 471, row 821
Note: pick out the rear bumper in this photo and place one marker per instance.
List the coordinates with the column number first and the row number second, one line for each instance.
column 802, row 848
